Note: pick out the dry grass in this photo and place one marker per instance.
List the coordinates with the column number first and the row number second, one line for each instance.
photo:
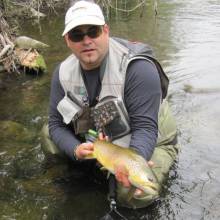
column 7, row 56
column 9, row 11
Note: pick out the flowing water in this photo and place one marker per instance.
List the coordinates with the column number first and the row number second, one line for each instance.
column 186, row 38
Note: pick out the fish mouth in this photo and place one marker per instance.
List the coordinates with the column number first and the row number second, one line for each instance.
column 152, row 185
column 149, row 195
column 150, row 188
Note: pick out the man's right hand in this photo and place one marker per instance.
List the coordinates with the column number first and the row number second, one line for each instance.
column 83, row 150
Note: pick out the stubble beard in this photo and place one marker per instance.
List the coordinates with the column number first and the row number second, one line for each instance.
column 90, row 62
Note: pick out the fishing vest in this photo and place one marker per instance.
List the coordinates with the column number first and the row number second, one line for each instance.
column 120, row 54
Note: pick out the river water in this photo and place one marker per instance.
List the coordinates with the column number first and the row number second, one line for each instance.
column 185, row 36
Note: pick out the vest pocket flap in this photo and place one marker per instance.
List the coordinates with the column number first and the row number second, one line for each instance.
column 68, row 109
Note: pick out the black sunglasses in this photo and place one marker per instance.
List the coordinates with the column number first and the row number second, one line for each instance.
column 92, row 32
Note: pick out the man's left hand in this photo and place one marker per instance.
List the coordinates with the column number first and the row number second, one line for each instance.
column 121, row 175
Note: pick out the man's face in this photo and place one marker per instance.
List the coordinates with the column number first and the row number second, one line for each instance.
column 89, row 43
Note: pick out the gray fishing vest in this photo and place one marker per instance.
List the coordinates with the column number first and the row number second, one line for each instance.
column 120, row 54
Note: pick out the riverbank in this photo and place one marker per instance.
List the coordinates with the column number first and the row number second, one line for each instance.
column 15, row 11
column 12, row 15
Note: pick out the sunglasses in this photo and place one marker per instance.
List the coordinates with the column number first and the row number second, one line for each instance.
column 92, row 32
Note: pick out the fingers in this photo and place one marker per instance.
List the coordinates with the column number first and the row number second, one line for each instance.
column 87, row 146
column 102, row 137
column 125, row 182
column 121, row 175
column 150, row 163
column 84, row 150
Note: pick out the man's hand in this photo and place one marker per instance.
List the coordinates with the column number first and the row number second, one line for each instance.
column 121, row 175
column 83, row 150
column 102, row 137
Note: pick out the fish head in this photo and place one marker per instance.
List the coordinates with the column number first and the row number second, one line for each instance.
column 146, row 183
column 150, row 188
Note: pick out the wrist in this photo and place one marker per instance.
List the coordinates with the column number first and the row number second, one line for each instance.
column 74, row 152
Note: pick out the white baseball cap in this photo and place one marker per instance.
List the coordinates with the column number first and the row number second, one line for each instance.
column 83, row 13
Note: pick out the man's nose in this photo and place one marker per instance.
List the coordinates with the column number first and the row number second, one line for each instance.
column 86, row 40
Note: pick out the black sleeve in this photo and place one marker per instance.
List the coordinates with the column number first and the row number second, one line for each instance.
column 142, row 96
column 60, row 133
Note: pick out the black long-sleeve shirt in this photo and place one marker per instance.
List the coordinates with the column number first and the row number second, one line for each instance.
column 142, row 97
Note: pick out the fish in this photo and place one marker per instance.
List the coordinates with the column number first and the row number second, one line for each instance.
column 140, row 174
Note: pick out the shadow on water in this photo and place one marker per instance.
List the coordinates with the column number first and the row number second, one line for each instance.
column 185, row 36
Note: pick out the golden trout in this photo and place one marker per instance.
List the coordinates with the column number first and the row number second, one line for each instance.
column 139, row 173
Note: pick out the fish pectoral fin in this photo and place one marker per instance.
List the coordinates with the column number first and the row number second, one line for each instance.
column 103, row 169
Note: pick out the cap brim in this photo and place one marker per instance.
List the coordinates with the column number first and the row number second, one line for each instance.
column 83, row 21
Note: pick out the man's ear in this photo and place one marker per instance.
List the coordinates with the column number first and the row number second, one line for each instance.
column 106, row 28
column 66, row 37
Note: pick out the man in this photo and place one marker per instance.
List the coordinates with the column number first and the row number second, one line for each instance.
column 101, row 72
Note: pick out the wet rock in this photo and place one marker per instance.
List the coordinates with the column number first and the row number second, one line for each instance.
column 27, row 43
column 31, row 60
